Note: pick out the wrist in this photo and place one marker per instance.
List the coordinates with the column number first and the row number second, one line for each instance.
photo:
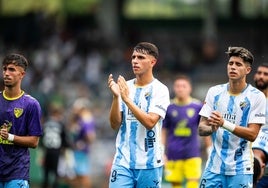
column 10, row 137
column 228, row 126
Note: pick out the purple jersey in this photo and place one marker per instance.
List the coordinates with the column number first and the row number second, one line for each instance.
column 86, row 126
column 23, row 117
column 181, row 122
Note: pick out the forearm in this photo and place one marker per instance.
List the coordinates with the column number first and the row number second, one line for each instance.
column 204, row 130
column 164, row 136
column 249, row 133
column 115, row 114
column 146, row 119
column 26, row 141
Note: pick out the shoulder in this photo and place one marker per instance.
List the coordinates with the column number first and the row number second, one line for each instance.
column 197, row 102
column 254, row 94
column 159, row 84
column 254, row 90
column 30, row 100
column 218, row 88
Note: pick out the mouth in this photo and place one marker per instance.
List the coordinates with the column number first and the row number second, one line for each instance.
column 135, row 68
column 232, row 73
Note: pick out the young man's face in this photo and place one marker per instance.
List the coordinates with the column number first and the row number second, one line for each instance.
column 12, row 75
column 142, row 62
column 237, row 68
column 261, row 78
column 182, row 88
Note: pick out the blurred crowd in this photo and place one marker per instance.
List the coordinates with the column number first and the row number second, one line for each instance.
column 69, row 63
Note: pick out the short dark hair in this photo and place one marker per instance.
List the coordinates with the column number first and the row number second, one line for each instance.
column 147, row 48
column 263, row 65
column 16, row 59
column 245, row 54
column 257, row 170
column 183, row 77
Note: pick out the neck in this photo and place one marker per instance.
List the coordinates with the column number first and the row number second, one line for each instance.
column 237, row 87
column 142, row 80
column 265, row 91
column 12, row 92
column 185, row 100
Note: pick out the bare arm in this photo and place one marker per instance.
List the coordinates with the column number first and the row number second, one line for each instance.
column 115, row 115
column 148, row 120
column 164, row 136
column 26, row 141
column 249, row 133
column 204, row 128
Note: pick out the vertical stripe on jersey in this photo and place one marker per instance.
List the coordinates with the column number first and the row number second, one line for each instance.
column 132, row 144
column 213, row 136
column 245, row 113
column 150, row 154
column 243, row 142
column 226, row 134
column 122, row 136
column 133, row 133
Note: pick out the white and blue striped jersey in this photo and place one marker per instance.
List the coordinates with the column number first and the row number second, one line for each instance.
column 136, row 146
column 261, row 141
column 231, row 154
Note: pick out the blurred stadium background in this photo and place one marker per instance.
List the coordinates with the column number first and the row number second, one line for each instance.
column 73, row 46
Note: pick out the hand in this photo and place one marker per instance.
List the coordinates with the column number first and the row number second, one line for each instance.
column 113, row 86
column 215, row 120
column 4, row 131
column 124, row 91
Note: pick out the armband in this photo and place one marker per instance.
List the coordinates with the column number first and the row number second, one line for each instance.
column 228, row 126
column 10, row 137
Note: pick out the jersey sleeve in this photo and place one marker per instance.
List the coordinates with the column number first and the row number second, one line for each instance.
column 160, row 102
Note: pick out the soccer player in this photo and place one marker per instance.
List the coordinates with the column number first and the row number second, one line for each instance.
column 138, row 108
column 233, row 114
column 82, row 134
column 20, row 124
column 260, row 145
column 54, row 141
column 180, row 136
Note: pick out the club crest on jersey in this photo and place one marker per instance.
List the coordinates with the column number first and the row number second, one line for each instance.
column 147, row 95
column 243, row 105
column 18, row 112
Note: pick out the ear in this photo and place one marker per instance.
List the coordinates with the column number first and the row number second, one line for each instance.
column 153, row 62
column 22, row 74
column 248, row 69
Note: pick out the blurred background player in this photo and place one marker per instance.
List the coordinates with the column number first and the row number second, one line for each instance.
column 180, row 136
column 53, row 141
column 81, row 134
column 260, row 145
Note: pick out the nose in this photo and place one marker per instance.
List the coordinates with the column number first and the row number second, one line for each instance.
column 134, row 60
